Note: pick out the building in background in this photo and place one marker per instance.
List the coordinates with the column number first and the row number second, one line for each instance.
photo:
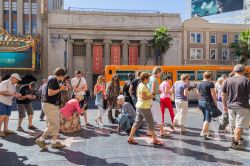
column 207, row 43
column 94, row 39
column 24, row 17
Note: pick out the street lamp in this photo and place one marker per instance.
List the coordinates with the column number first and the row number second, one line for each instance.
column 66, row 38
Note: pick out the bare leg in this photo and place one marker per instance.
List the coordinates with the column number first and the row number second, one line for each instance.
column 132, row 133
column 30, row 117
column 6, row 122
column 237, row 134
column 2, row 117
column 85, row 117
column 205, row 127
column 19, row 123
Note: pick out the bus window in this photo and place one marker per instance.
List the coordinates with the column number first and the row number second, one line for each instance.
column 110, row 71
column 220, row 73
column 123, row 75
column 190, row 73
column 200, row 75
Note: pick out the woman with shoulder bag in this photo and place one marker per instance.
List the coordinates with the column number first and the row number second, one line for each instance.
column 207, row 102
column 143, row 106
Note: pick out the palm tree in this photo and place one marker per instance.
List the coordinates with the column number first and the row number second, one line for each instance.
column 241, row 48
column 161, row 42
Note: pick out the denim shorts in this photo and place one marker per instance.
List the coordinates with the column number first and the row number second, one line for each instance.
column 5, row 109
column 203, row 106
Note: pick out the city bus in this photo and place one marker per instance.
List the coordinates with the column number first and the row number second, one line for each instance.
column 195, row 72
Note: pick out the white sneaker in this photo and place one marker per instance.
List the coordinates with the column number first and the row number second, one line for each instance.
column 101, row 124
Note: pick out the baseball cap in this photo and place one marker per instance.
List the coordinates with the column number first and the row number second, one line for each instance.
column 15, row 75
column 239, row 68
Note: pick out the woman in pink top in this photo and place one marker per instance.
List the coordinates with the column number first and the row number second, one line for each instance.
column 165, row 100
column 69, row 115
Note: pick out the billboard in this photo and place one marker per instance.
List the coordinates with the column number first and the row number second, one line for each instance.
column 211, row 7
column 20, row 60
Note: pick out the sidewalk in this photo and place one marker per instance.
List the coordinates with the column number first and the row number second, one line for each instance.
column 95, row 146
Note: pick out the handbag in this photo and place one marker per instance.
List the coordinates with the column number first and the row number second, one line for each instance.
column 74, row 94
column 214, row 110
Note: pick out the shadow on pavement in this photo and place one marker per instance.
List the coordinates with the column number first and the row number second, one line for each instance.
column 80, row 158
column 202, row 156
column 11, row 158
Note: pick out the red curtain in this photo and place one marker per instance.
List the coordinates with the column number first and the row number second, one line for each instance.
column 115, row 55
column 133, row 55
column 97, row 59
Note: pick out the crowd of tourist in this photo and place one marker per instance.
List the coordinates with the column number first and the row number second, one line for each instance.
column 65, row 100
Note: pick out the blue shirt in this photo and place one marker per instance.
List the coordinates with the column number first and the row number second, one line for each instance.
column 179, row 88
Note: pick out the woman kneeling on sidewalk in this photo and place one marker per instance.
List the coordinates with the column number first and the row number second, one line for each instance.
column 69, row 115
column 143, row 106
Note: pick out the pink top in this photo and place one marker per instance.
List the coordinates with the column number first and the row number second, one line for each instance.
column 69, row 108
column 101, row 88
column 163, row 87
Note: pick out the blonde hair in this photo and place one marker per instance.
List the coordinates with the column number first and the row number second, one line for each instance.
column 79, row 96
column 156, row 70
column 99, row 80
column 184, row 77
column 207, row 75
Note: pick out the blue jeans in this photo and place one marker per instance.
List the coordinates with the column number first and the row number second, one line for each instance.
column 125, row 122
column 206, row 110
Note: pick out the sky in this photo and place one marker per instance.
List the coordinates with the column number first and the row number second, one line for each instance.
column 168, row 6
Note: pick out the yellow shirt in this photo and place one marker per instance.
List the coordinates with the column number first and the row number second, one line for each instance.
column 143, row 104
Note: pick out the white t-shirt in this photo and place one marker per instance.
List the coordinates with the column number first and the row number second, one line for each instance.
column 7, row 86
column 75, row 81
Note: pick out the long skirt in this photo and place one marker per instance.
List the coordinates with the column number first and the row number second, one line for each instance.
column 70, row 125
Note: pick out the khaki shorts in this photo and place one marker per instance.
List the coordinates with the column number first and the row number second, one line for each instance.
column 22, row 108
column 241, row 117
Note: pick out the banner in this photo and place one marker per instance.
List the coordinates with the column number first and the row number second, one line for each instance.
column 211, row 7
column 115, row 55
column 133, row 55
column 97, row 59
column 20, row 60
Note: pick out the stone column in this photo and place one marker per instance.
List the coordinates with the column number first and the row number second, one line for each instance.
column 70, row 57
column 88, row 71
column 20, row 17
column 10, row 18
column 30, row 17
column 106, row 60
column 143, row 58
column 185, row 44
column 125, row 55
column 207, row 43
column 1, row 13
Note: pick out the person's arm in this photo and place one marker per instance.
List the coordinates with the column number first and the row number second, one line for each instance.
column 85, row 86
column 185, row 92
column 51, row 89
column 224, row 96
column 153, row 90
column 78, row 108
column 144, row 96
column 97, row 90
column 213, row 93
column 131, row 89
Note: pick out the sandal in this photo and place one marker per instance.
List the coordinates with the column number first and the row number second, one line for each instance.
column 165, row 135
column 9, row 132
column 158, row 142
column 20, row 129
column 132, row 141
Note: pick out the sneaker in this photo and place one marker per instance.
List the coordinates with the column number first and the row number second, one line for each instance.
column 57, row 145
column 97, row 121
column 2, row 134
column 41, row 144
column 101, row 124
column 20, row 129
column 32, row 128
column 237, row 146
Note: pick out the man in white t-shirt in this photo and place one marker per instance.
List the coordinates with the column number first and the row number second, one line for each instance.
column 79, row 85
column 7, row 93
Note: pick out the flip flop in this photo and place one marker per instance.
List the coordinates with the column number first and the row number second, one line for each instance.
column 158, row 142
column 132, row 141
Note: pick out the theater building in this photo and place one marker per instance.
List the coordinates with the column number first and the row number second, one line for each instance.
column 89, row 40
column 207, row 43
